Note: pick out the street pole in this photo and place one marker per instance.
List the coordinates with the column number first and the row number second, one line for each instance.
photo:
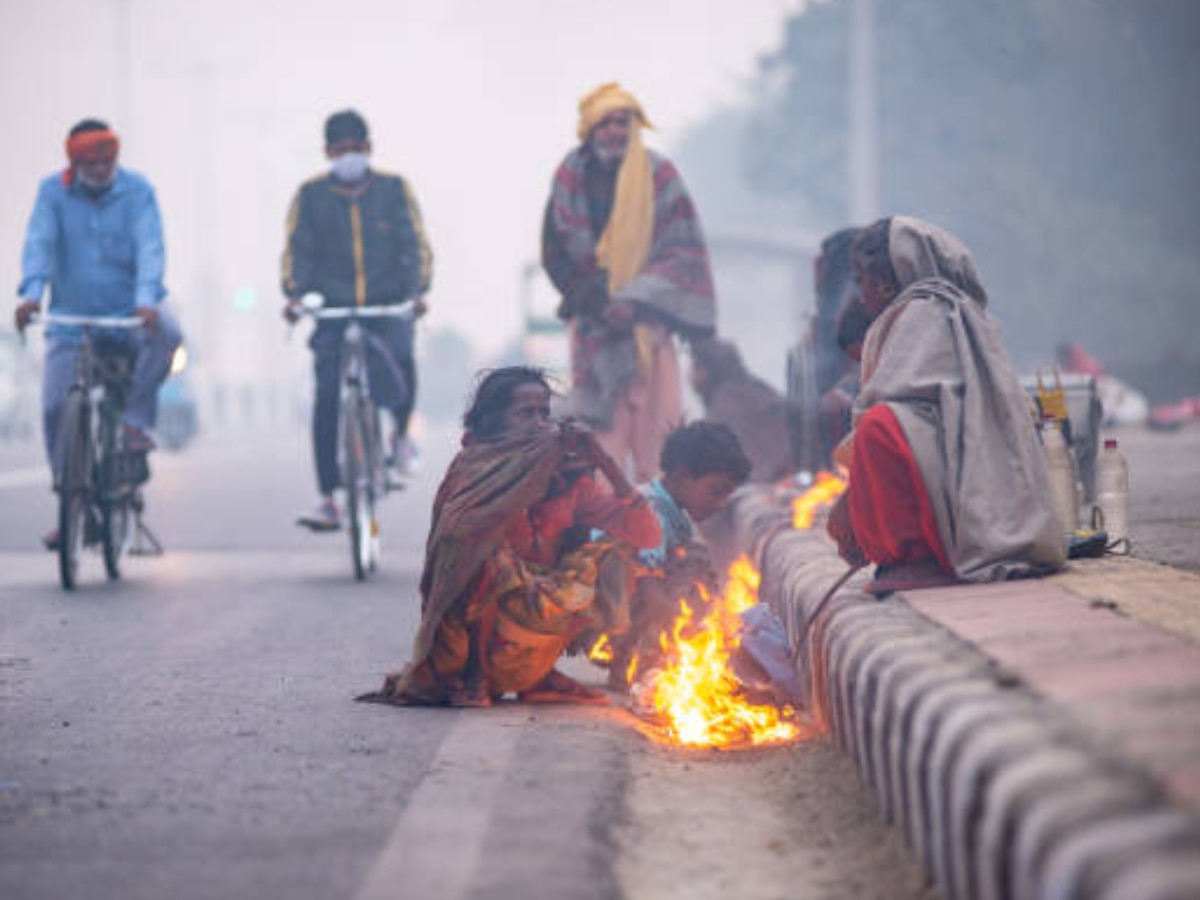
column 122, row 44
column 864, row 138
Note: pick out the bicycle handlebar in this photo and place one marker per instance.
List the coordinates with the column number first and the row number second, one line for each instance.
column 405, row 310
column 50, row 318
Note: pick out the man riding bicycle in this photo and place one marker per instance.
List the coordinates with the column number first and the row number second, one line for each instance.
column 95, row 238
column 355, row 236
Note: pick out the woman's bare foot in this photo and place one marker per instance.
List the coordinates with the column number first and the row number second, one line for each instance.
column 559, row 688
column 471, row 695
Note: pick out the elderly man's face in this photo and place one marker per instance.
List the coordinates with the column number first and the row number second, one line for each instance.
column 611, row 136
column 98, row 169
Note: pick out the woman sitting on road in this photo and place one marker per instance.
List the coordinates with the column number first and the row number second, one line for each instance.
column 505, row 589
column 947, row 479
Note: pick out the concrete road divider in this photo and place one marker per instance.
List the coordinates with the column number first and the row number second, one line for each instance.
column 1012, row 776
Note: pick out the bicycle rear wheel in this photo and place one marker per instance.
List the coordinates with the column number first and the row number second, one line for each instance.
column 357, row 479
column 74, row 487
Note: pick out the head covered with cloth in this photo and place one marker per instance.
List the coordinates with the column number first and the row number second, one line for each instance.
column 939, row 391
column 92, row 148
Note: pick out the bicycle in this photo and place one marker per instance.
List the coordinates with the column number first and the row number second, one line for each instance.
column 360, row 446
column 97, row 479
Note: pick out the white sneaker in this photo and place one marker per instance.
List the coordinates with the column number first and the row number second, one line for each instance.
column 405, row 459
column 324, row 518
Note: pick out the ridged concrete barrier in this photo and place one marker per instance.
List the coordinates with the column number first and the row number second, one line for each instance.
column 999, row 794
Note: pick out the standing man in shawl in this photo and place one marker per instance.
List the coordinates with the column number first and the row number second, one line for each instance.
column 947, row 479
column 622, row 243
column 95, row 240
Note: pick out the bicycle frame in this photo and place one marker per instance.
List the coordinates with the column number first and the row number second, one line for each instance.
column 362, row 458
column 97, row 481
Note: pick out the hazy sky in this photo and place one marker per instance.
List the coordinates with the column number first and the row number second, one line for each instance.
column 473, row 100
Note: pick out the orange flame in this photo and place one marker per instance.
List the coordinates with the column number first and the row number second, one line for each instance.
column 695, row 695
column 602, row 650
column 827, row 488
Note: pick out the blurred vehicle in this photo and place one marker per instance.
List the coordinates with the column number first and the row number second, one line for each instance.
column 20, row 380
column 178, row 422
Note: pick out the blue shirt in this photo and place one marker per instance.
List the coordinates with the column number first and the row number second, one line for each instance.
column 677, row 526
column 99, row 254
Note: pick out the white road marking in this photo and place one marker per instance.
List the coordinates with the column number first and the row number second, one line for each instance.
column 434, row 850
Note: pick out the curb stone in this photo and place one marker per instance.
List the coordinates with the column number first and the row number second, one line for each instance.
column 1002, row 794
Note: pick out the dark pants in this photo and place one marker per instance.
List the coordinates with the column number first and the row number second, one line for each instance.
column 394, row 394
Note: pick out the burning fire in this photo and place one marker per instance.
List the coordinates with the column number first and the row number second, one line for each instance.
column 827, row 488
column 602, row 650
column 694, row 695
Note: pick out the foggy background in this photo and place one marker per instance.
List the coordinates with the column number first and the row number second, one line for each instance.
column 1058, row 138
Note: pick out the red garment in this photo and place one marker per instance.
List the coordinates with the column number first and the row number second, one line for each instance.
column 890, row 512
column 537, row 534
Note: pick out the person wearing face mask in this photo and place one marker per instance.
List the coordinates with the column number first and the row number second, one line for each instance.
column 355, row 236
column 95, row 240
column 622, row 242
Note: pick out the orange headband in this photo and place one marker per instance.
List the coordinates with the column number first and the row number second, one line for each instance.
column 89, row 145
column 92, row 145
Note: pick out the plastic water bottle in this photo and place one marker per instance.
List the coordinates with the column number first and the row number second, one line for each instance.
column 1112, row 491
column 1065, row 497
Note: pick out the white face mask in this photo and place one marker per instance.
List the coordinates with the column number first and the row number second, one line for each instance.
column 350, row 167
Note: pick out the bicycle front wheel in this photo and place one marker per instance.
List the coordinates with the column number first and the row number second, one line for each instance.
column 357, row 478
column 114, row 497
column 74, row 487
column 114, row 522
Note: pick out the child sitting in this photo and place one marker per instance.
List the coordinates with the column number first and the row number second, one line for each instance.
column 702, row 464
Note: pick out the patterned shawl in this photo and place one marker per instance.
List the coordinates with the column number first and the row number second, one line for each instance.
column 675, row 286
column 488, row 484
column 936, row 358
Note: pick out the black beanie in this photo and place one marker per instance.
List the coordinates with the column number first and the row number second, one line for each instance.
column 345, row 125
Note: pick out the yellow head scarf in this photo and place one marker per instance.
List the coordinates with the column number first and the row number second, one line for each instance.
column 599, row 102
column 624, row 246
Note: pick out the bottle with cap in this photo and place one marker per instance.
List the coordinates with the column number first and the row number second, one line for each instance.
column 1061, row 466
column 1112, row 492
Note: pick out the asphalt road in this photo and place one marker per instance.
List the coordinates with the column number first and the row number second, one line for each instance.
column 1164, row 494
column 189, row 732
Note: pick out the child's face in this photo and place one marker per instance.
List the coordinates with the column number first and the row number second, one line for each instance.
column 700, row 496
